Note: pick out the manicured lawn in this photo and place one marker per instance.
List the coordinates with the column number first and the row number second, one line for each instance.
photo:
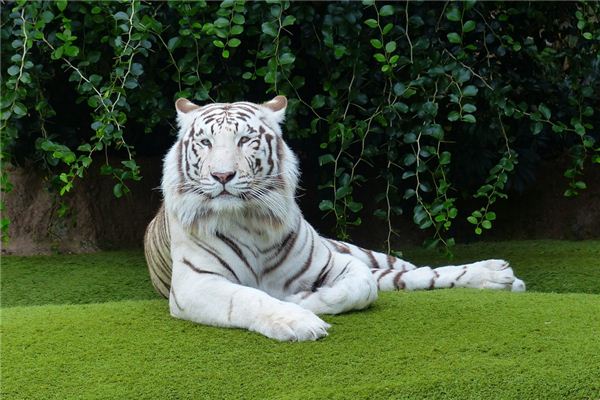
column 90, row 326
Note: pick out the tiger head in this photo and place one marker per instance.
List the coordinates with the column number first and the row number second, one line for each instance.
column 230, row 158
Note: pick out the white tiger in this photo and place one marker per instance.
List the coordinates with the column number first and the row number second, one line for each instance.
column 229, row 247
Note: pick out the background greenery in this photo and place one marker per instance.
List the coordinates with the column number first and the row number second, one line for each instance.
column 91, row 327
column 430, row 103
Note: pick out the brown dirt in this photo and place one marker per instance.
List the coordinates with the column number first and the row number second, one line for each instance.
column 96, row 219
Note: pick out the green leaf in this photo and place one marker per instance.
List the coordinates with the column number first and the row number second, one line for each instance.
column 118, row 190
column 453, row 14
column 379, row 57
column 286, row 58
column 218, row 43
column 545, row 111
column 390, row 46
column 71, row 51
column 453, row 116
column 379, row 213
column 354, row 206
column 239, row 19
column 490, row 215
column 454, row 37
column 409, row 159
column 371, row 23
column 343, row 191
column 470, row 118
column 326, row 159
column 86, row 161
column 19, row 109
column 236, row 30
column 486, row 224
column 580, row 185
column 470, row 91
column 121, row 16
column 268, row 28
column 376, row 43
column 221, row 22
column 386, row 10
column 472, row 219
column 453, row 212
column 387, row 28
column 13, row 70
column 469, row 26
column 47, row 16
column 173, row 43
column 399, row 89
column 61, row 5
column 408, row 194
column 288, row 20
column 469, row 108
column 318, row 101
column 445, row 158
column 234, row 42
column 587, row 35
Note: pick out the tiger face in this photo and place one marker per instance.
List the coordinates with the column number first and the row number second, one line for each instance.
column 231, row 157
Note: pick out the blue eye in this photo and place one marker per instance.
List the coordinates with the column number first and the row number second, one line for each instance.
column 243, row 139
column 205, row 142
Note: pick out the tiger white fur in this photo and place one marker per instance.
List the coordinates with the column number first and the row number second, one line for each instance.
column 229, row 247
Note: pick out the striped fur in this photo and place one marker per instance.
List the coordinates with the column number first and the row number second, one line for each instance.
column 157, row 249
column 229, row 247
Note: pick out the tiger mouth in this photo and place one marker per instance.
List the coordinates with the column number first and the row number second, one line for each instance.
column 225, row 195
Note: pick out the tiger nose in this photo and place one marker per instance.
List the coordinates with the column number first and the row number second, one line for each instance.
column 223, row 177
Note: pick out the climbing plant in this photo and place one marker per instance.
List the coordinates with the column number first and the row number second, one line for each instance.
column 431, row 101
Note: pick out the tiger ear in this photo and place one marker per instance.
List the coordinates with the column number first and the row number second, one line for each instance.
column 184, row 106
column 277, row 107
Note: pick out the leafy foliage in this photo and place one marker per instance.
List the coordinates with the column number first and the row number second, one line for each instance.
column 433, row 101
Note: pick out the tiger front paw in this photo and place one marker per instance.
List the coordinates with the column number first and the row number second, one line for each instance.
column 291, row 322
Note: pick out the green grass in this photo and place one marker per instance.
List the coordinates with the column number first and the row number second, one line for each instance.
column 90, row 327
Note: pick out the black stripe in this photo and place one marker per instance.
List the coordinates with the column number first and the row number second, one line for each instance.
column 306, row 265
column 341, row 273
column 461, row 274
column 339, row 247
column 236, row 249
column 197, row 270
column 269, row 139
column 179, row 166
column 215, row 255
column 175, row 300
column 391, row 260
column 287, row 245
column 372, row 260
column 321, row 278
column 384, row 273
column 398, row 282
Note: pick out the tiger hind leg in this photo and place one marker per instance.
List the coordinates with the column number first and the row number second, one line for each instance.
column 347, row 285
column 487, row 274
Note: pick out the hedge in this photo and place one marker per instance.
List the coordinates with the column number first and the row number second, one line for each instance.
column 435, row 102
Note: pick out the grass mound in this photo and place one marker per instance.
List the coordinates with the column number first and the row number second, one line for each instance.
column 93, row 328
